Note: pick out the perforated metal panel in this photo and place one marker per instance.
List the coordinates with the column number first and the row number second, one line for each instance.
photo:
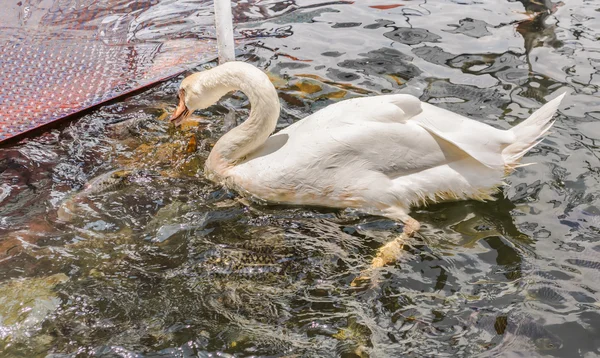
column 56, row 63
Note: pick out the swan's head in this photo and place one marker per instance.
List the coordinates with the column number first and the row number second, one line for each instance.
column 198, row 91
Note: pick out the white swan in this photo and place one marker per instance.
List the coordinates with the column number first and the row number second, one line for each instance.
column 381, row 154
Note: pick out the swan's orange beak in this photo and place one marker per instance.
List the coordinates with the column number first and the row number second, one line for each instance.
column 181, row 112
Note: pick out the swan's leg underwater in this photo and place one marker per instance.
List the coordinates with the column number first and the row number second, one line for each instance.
column 392, row 250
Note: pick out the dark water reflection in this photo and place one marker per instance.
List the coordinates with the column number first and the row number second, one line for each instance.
column 165, row 263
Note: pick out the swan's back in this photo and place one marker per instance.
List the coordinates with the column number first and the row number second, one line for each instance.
column 377, row 127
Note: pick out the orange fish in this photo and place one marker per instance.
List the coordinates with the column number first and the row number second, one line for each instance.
column 386, row 7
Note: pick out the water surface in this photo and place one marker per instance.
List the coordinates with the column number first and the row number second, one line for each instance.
column 161, row 262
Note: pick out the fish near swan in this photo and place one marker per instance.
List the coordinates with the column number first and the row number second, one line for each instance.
column 382, row 154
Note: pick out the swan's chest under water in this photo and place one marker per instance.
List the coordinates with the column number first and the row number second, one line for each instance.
column 276, row 181
column 277, row 187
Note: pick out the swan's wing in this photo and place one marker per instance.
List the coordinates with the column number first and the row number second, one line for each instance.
column 384, row 130
column 479, row 140
column 395, row 108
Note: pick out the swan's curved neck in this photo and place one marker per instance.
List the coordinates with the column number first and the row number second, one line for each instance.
column 264, row 113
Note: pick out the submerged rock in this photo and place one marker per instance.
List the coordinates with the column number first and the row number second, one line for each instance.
column 25, row 304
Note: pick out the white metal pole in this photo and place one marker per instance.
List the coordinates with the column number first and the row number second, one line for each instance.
column 224, row 26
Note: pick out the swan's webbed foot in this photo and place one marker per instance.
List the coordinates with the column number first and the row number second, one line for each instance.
column 390, row 252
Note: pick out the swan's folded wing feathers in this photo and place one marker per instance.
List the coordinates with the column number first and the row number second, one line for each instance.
column 409, row 104
column 394, row 108
column 397, row 108
column 482, row 142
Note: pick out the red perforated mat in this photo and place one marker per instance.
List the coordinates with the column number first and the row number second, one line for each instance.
column 60, row 57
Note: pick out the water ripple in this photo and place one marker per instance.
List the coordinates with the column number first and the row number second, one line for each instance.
column 167, row 263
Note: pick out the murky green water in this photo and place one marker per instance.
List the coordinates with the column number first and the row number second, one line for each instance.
column 157, row 261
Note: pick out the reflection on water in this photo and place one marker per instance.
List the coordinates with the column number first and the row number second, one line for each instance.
column 114, row 244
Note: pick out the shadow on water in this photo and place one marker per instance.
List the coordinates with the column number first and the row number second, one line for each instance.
column 113, row 244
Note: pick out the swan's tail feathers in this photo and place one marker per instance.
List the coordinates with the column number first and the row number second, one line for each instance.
column 529, row 133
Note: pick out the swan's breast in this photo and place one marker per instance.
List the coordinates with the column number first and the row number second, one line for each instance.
column 275, row 182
